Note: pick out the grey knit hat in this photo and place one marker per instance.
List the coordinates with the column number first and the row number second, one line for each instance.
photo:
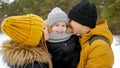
column 56, row 15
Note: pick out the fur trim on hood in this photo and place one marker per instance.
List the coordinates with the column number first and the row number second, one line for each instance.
column 16, row 54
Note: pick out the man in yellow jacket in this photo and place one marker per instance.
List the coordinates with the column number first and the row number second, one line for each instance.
column 83, row 21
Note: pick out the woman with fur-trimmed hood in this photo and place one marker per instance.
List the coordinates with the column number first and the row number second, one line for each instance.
column 27, row 47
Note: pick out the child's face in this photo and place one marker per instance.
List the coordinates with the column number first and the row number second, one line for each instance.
column 59, row 27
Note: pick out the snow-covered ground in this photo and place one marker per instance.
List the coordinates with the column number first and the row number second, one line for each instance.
column 116, row 50
column 2, row 38
column 115, row 47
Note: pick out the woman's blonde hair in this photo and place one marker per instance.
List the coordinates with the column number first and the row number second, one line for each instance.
column 42, row 45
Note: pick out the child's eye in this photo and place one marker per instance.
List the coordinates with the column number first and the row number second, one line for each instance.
column 56, row 25
column 63, row 26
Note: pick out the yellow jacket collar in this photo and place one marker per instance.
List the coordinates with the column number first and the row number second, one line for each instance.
column 101, row 29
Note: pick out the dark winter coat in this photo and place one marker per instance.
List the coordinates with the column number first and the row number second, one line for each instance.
column 65, row 54
column 19, row 56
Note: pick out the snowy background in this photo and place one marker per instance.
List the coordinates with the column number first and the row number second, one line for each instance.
column 115, row 47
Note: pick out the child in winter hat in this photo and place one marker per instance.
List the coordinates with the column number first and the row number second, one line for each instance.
column 27, row 46
column 55, row 17
column 63, row 46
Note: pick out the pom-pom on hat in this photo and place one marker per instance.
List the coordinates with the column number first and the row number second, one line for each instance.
column 84, row 13
column 24, row 29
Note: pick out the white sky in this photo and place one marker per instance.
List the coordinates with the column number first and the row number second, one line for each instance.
column 11, row 0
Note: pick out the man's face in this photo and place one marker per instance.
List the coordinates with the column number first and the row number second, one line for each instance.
column 74, row 26
column 78, row 28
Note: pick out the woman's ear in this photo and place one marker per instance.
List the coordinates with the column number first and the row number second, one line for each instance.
column 46, row 33
column 49, row 28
